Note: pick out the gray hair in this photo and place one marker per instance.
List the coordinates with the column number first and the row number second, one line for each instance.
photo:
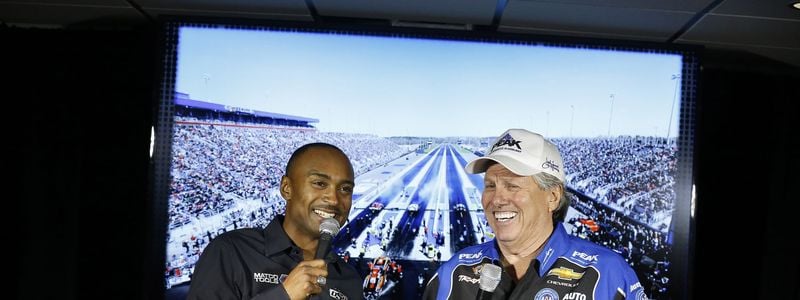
column 546, row 182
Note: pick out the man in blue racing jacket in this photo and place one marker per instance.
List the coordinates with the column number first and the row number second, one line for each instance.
column 524, row 202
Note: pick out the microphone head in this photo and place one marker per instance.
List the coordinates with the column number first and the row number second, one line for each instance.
column 329, row 226
column 490, row 277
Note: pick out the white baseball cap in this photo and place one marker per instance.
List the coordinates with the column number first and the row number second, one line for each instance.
column 523, row 152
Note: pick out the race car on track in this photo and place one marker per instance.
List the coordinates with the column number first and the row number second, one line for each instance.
column 376, row 279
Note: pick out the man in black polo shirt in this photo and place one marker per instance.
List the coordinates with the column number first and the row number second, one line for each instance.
column 278, row 262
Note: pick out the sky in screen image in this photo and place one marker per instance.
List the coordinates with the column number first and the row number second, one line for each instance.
column 392, row 86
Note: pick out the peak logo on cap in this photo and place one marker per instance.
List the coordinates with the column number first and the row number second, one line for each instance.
column 508, row 141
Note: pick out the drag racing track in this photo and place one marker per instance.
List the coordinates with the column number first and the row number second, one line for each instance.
column 444, row 218
column 462, row 231
column 402, row 240
column 437, row 186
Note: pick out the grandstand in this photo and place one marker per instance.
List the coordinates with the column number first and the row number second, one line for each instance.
column 632, row 175
column 192, row 108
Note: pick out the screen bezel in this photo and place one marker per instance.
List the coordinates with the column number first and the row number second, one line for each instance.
column 682, row 222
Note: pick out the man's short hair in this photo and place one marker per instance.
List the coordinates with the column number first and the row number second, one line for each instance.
column 546, row 181
column 299, row 152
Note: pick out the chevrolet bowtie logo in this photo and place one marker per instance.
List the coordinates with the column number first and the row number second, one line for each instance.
column 565, row 273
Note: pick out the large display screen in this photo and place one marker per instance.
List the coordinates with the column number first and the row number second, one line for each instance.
column 411, row 108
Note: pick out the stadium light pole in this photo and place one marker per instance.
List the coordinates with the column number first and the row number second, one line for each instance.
column 610, row 114
column 206, row 79
column 674, row 98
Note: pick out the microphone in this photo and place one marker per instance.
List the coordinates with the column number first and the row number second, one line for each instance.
column 327, row 230
column 489, row 279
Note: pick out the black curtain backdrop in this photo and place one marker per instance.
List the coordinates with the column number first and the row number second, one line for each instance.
column 80, row 115
column 746, row 167
column 80, row 104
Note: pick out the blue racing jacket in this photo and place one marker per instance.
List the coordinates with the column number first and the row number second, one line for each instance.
column 566, row 268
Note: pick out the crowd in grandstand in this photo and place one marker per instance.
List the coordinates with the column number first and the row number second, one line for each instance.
column 180, row 265
column 218, row 163
column 644, row 248
column 633, row 175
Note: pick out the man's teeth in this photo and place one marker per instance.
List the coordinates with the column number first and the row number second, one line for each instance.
column 324, row 214
column 504, row 216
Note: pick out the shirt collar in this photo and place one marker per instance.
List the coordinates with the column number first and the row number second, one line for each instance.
column 275, row 238
column 546, row 258
column 277, row 242
column 557, row 240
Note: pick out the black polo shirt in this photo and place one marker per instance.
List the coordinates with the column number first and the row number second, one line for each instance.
column 251, row 263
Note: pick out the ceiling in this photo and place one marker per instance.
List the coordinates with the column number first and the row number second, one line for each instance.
column 768, row 28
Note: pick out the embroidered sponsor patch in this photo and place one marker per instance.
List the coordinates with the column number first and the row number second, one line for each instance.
column 465, row 278
column 565, row 273
column 585, row 257
column 575, row 296
column 546, row 294
column 266, row 278
column 508, row 143
column 470, row 255
column 640, row 295
column 336, row 294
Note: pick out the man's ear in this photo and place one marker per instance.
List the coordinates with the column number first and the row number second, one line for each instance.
column 553, row 196
column 286, row 188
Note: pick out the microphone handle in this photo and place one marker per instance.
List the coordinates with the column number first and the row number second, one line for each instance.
column 324, row 243
column 484, row 295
